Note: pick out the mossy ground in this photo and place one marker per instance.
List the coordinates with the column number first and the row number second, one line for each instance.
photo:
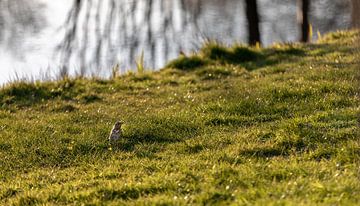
column 277, row 127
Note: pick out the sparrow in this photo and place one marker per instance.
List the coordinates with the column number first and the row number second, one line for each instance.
column 116, row 132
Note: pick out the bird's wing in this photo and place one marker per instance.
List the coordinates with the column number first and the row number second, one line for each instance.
column 111, row 133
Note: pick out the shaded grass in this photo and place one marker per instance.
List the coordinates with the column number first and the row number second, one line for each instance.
column 214, row 53
column 236, row 55
column 187, row 63
column 213, row 133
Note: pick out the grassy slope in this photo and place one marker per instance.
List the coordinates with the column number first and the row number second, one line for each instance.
column 281, row 128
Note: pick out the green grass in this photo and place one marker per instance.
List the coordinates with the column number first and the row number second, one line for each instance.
column 227, row 126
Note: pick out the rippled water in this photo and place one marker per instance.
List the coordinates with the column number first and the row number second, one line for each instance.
column 32, row 31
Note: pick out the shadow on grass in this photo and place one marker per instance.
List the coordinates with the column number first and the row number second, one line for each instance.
column 320, row 141
column 242, row 120
column 218, row 198
column 187, row 63
column 67, row 108
column 162, row 130
column 127, row 193
column 29, row 201
column 9, row 193
column 247, row 57
column 235, row 55
column 264, row 152
column 244, row 112
column 25, row 94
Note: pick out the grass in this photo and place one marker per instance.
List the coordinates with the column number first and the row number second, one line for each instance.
column 226, row 126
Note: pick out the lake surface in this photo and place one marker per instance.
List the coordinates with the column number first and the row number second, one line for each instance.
column 38, row 38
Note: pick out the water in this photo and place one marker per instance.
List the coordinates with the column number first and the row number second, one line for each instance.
column 109, row 32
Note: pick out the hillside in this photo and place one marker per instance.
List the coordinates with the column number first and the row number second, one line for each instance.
column 241, row 126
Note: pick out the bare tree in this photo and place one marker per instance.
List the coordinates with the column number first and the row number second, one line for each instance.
column 303, row 18
column 253, row 22
column 355, row 16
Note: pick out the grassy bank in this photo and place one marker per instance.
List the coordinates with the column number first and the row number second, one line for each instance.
column 241, row 126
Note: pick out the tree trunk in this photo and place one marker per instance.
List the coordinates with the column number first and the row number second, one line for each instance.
column 303, row 18
column 253, row 22
column 355, row 15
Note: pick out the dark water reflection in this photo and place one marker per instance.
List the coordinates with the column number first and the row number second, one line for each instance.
column 103, row 33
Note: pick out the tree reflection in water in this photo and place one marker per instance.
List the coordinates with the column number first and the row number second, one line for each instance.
column 19, row 19
column 108, row 26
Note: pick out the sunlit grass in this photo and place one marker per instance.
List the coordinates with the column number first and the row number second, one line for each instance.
column 278, row 127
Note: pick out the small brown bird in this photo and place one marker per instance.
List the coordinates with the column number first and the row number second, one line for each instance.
column 115, row 133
